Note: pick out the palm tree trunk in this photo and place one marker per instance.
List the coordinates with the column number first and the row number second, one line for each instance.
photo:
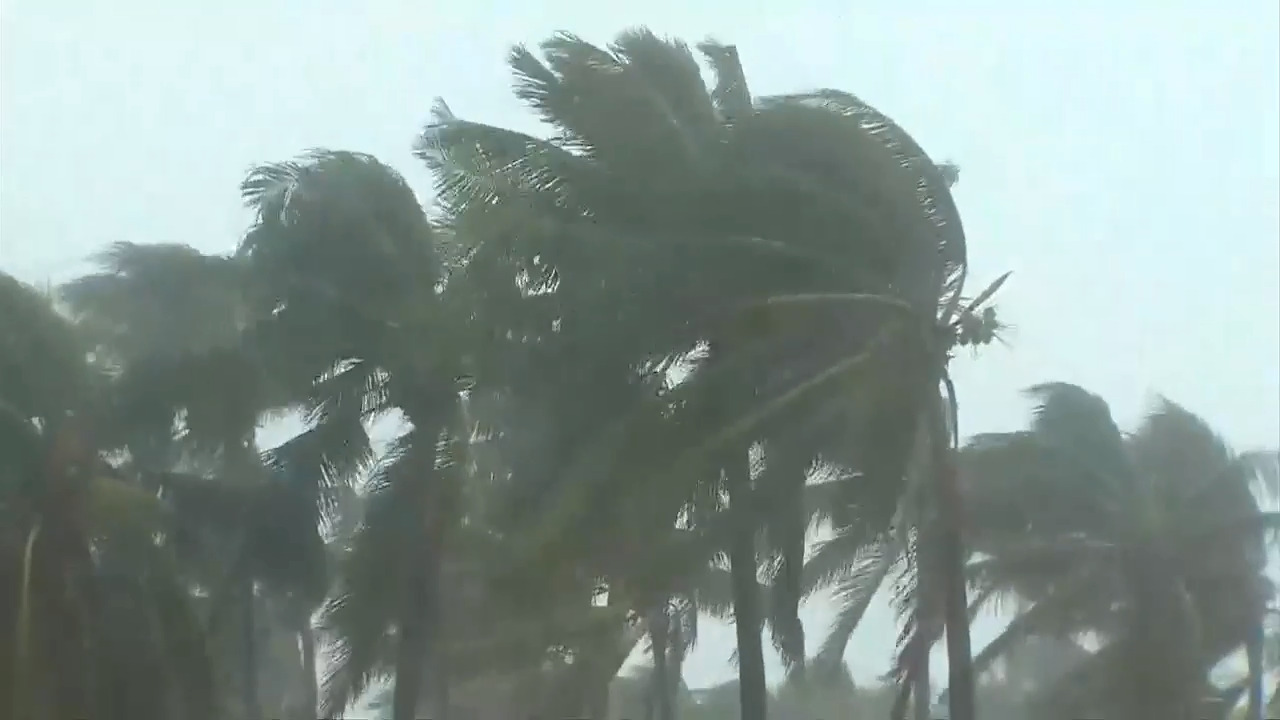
column 596, row 700
column 922, row 683
column 411, row 646
column 310, row 691
column 249, row 650
column 675, row 666
column 659, row 636
column 753, row 691
column 606, row 662
column 240, row 462
column 951, row 561
column 1164, row 678
column 1253, row 651
column 22, row 675
column 440, row 677
column 433, row 612
column 592, row 680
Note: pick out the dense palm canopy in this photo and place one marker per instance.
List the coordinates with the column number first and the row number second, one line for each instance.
column 626, row 367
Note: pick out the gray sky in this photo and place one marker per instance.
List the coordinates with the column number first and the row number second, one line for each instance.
column 1121, row 158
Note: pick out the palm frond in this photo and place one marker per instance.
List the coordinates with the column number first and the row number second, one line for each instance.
column 478, row 165
column 731, row 95
column 617, row 105
column 1077, row 427
column 840, row 555
column 853, row 593
column 160, row 300
column 714, row 592
column 1266, row 472
column 928, row 188
column 1073, row 416
column 340, row 234
column 625, row 444
column 1049, row 617
column 324, row 459
column 43, row 359
column 1179, row 448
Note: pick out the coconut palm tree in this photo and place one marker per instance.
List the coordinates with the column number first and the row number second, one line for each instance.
column 863, row 555
column 1150, row 542
column 167, row 318
column 98, row 621
column 814, row 212
column 175, row 325
column 351, row 282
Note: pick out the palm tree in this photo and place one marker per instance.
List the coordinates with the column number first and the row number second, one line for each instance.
column 95, row 610
column 167, row 318
column 351, row 280
column 814, row 211
column 863, row 555
column 175, row 324
column 1150, row 542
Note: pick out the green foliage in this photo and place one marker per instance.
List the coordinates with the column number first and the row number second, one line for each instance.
column 1150, row 542
column 634, row 363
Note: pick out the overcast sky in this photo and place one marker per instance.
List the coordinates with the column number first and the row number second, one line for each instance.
column 1120, row 158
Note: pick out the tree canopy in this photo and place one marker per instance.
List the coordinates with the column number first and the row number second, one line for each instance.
column 633, row 365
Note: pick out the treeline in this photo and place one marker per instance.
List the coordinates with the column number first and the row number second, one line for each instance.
column 631, row 364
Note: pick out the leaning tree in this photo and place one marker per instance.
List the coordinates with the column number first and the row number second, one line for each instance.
column 1151, row 542
column 98, row 620
column 800, row 256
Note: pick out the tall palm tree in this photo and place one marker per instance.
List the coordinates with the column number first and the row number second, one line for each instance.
column 1151, row 542
column 351, row 280
column 864, row 555
column 814, row 211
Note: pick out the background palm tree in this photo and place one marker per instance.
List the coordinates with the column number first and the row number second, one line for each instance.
column 1152, row 543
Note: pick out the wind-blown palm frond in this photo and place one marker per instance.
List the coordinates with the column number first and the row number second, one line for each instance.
column 45, row 371
column 160, row 300
column 360, row 615
column 1266, row 469
column 731, row 95
column 854, row 591
column 337, row 231
column 931, row 191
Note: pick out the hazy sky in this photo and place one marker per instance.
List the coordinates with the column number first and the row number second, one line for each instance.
column 1121, row 158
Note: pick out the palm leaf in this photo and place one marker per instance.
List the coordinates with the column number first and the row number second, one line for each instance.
column 731, row 96
column 853, row 593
